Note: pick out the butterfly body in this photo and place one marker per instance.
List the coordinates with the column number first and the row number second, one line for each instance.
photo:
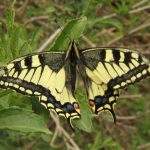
column 51, row 76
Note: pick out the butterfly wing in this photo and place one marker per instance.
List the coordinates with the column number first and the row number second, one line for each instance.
column 44, row 75
column 116, row 67
column 106, row 71
column 100, row 96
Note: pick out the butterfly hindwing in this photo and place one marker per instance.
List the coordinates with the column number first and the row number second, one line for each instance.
column 43, row 75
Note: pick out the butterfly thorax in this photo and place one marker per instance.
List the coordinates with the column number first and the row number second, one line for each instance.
column 72, row 57
column 73, row 51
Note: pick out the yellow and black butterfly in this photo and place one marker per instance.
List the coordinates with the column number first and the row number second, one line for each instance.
column 51, row 76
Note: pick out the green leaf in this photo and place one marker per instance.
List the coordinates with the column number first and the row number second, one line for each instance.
column 50, row 9
column 87, row 9
column 22, row 120
column 4, row 101
column 10, row 18
column 97, row 141
column 25, row 49
column 72, row 30
column 110, row 143
column 113, row 22
column 40, row 109
column 35, row 37
column 2, row 147
column 1, row 33
column 4, row 93
column 107, row 23
column 14, row 42
column 123, row 7
column 85, row 123
column 3, row 45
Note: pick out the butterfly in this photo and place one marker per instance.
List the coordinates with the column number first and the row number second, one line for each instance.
column 51, row 76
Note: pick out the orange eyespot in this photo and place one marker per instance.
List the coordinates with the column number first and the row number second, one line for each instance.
column 91, row 103
column 76, row 106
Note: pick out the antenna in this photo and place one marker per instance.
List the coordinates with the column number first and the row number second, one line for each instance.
column 61, row 28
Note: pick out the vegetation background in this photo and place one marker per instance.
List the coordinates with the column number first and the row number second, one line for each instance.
column 28, row 26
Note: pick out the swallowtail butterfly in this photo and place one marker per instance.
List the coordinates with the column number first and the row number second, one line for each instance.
column 51, row 76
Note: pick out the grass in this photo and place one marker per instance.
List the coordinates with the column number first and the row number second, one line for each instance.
column 25, row 26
